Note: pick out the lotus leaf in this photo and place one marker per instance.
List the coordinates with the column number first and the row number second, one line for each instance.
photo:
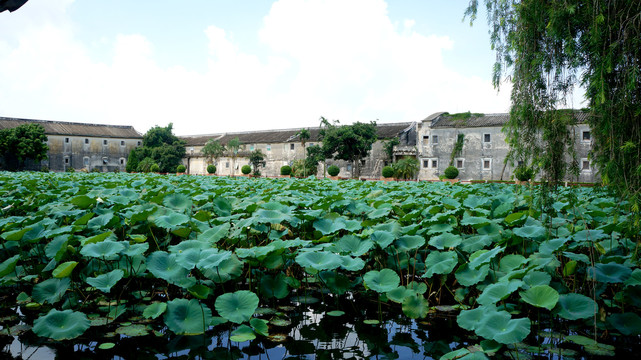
column 576, row 306
column 445, row 240
column 238, row 306
column 106, row 281
column 627, row 323
column 475, row 242
column 136, row 249
column 484, row 256
column 187, row 317
column 541, row 296
column 475, row 221
column 172, row 221
column 438, row 262
column 335, row 313
column 274, row 286
column 468, row 277
column 61, row 325
column 352, row 264
column 498, row 291
column 533, row 278
column 242, row 333
column 133, row 330
column 511, row 262
column 108, row 235
column 532, row 232
column 50, row 290
column 337, row 283
column 353, row 245
column 9, row 265
column 634, row 279
column 610, row 272
column 101, row 221
column 407, row 243
column 57, row 247
column 154, row 310
column 259, row 326
column 83, row 201
column 228, row 269
column 105, row 249
column 64, row 270
column 382, row 238
column 214, row 234
column 381, row 281
column 550, row 246
column 164, row 266
column 415, row 306
column 319, row 260
column 177, row 202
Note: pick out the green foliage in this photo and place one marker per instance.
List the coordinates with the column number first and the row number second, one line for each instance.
column 163, row 148
column 181, row 168
column 406, row 168
column 145, row 164
column 451, row 172
column 333, row 170
column 154, row 168
column 22, row 143
column 256, row 159
column 285, row 170
column 211, row 169
column 457, row 150
column 70, row 169
column 349, row 142
column 388, row 147
column 213, row 150
column 387, row 172
column 523, row 173
column 133, row 161
column 246, row 169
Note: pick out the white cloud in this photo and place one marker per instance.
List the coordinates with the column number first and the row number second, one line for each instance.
column 341, row 59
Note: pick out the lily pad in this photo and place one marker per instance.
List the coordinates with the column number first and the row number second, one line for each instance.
column 439, row 262
column 50, row 290
column 106, row 281
column 576, row 306
column 541, row 296
column 242, row 333
column 61, row 325
column 381, row 281
column 238, row 306
column 187, row 317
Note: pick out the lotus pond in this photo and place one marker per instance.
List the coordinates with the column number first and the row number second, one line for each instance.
column 111, row 265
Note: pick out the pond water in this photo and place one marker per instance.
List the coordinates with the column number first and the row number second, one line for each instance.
column 308, row 332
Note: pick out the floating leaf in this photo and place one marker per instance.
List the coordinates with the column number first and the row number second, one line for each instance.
column 106, row 346
column 187, row 317
column 242, row 333
column 50, row 290
column 238, row 306
column 154, row 310
column 335, row 313
column 415, row 306
column 133, row 330
column 259, row 326
column 61, row 325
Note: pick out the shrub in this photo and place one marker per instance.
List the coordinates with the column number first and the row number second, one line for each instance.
column 451, row 172
column 310, row 167
column 333, row 170
column 154, row 168
column 96, row 170
column 285, row 170
column 246, row 169
column 406, row 168
column 144, row 165
column 211, row 168
column 70, row 169
column 523, row 173
column 181, row 168
column 387, row 172
column 44, row 168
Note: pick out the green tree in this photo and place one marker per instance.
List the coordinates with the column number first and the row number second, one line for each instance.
column 213, row 150
column 22, row 143
column 406, row 168
column 551, row 46
column 388, row 147
column 304, row 135
column 132, row 161
column 350, row 142
column 163, row 147
column 256, row 159
column 233, row 146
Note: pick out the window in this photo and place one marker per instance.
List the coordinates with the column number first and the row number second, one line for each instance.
column 426, row 164
column 86, row 141
column 104, row 142
column 585, row 165
column 66, row 160
column 122, row 161
column 105, row 161
column 311, row 144
column 122, row 142
column 85, row 161
column 227, row 165
column 139, row 143
column 587, row 136
column 66, row 140
column 487, row 164
column 291, row 146
column 460, row 163
column 434, row 139
column 434, row 163
column 487, row 138
column 269, row 147
column 426, row 138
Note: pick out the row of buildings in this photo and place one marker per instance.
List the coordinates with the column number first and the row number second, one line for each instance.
column 431, row 141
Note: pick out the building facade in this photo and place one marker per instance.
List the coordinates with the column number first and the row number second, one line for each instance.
column 92, row 147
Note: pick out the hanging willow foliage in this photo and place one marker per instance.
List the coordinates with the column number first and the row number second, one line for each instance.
column 551, row 46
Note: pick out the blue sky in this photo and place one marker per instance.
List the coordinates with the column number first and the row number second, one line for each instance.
column 213, row 66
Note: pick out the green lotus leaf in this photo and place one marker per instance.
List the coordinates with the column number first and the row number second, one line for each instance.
column 238, row 306
column 242, row 333
column 550, row 246
column 484, row 256
column 415, row 306
column 106, row 249
column 200, row 291
column 541, row 296
column 577, row 257
column 214, row 234
column 353, row 245
column 83, row 201
column 50, row 290
column 445, row 241
column 154, row 310
column 493, row 293
column 106, row 281
column 172, row 221
column 106, row 346
column 57, row 247
column 335, row 313
column 439, row 262
column 189, row 258
column 63, row 270
column 177, row 201
column 511, row 262
column 399, row 294
column 512, row 331
column 634, row 279
column 610, row 273
column 319, row 260
column 468, row 277
column 14, row 235
column 474, row 221
column 381, row 281
column 337, row 283
column 379, row 213
column 133, row 330
column 472, row 319
column 101, row 221
column 382, row 238
column 9, row 265
column 352, row 264
column 328, row 226
column 274, row 286
column 513, row 218
column 475, row 243
column 61, row 325
column 589, row 235
column 109, row 235
column 187, row 317
column 456, row 354
column 407, row 243
column 628, row 323
column 188, row 245
column 136, row 249
column 228, row 269
column 532, row 232
column 259, row 326
column 272, row 216
column 164, row 266
column 576, row 306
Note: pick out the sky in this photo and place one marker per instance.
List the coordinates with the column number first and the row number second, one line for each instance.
column 213, row 66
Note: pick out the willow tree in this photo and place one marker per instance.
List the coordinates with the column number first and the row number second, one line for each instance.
column 550, row 46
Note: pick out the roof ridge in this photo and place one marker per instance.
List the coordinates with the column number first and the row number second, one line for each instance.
column 64, row 122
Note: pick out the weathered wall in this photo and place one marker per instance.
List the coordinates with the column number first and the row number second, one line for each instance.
column 81, row 152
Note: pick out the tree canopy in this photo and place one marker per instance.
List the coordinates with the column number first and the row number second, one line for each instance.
column 349, row 142
column 549, row 47
column 22, row 143
column 213, row 150
column 161, row 146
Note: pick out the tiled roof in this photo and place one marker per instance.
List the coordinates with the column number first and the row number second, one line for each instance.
column 443, row 120
column 384, row 131
column 75, row 129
